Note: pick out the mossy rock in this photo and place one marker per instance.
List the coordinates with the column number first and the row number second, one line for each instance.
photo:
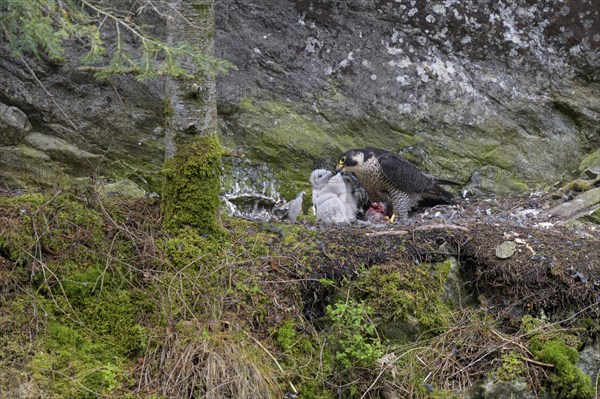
column 492, row 179
column 408, row 300
column 591, row 161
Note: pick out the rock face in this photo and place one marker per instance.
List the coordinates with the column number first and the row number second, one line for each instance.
column 13, row 124
column 69, row 124
column 501, row 95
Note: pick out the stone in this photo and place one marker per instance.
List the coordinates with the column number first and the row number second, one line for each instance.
column 491, row 179
column 25, row 167
column 314, row 79
column 591, row 163
column 592, row 173
column 61, row 151
column 500, row 390
column 454, row 288
column 506, row 249
column 585, row 204
column 119, row 118
column 122, row 188
column 14, row 125
column 589, row 361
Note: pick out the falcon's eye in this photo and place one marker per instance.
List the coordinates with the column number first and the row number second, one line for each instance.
column 343, row 160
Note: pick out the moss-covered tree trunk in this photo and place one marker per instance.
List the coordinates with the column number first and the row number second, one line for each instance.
column 192, row 149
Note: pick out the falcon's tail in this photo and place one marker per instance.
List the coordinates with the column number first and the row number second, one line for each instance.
column 437, row 195
column 444, row 182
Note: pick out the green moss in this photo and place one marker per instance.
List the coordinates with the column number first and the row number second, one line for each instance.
column 590, row 161
column 89, row 342
column 593, row 217
column 511, row 367
column 88, row 327
column 74, row 365
column 188, row 247
column 566, row 379
column 414, row 296
column 579, row 185
column 306, row 359
column 192, row 185
column 114, row 315
column 554, row 346
column 50, row 224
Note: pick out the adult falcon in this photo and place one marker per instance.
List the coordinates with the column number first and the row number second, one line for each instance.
column 390, row 178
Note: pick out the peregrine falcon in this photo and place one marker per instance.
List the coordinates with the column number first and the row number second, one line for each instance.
column 390, row 178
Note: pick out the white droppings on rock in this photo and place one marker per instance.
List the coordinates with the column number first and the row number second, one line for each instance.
column 345, row 62
column 312, row 44
column 422, row 73
column 403, row 80
column 564, row 11
column 373, row 77
column 439, row 9
column 575, row 50
column 430, row 18
column 442, row 70
column 393, row 50
column 405, row 108
column 403, row 63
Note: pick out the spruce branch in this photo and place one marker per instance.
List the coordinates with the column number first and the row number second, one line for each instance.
column 41, row 26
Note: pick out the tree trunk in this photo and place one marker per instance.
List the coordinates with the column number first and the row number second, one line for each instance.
column 192, row 150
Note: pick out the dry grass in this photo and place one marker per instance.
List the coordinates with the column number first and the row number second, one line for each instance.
column 197, row 367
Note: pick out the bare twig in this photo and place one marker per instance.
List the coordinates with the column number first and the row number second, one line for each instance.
column 50, row 96
column 537, row 363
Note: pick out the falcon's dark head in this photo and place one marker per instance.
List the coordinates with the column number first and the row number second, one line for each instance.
column 351, row 161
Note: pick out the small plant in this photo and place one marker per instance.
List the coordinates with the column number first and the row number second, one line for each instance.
column 357, row 341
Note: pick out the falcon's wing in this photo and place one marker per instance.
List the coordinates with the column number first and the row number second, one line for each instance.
column 404, row 174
